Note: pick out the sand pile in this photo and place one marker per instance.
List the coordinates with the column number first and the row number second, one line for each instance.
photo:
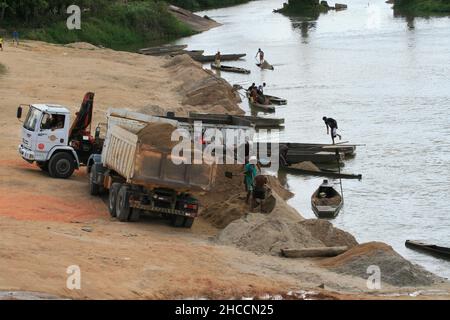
column 269, row 234
column 306, row 165
column 158, row 135
column 395, row 270
column 201, row 88
column 82, row 45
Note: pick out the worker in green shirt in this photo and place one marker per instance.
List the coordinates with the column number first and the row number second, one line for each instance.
column 250, row 173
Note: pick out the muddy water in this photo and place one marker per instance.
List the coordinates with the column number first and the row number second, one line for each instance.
column 386, row 80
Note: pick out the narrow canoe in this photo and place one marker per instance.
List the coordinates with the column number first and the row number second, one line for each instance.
column 230, row 69
column 276, row 100
column 442, row 252
column 326, row 202
column 328, row 174
column 266, row 107
column 223, row 57
column 266, row 66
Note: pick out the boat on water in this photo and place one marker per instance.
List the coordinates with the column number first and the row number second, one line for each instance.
column 442, row 252
column 326, row 202
column 321, row 173
column 276, row 100
column 229, row 69
column 266, row 107
column 265, row 65
column 223, row 57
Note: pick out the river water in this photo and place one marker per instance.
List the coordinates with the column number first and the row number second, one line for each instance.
column 386, row 80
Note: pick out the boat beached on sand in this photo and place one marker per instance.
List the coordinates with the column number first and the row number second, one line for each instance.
column 230, row 69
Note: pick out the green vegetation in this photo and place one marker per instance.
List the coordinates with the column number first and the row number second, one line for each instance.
column 2, row 69
column 196, row 5
column 113, row 24
column 422, row 7
column 307, row 8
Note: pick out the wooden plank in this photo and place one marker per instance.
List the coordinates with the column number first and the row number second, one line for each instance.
column 314, row 252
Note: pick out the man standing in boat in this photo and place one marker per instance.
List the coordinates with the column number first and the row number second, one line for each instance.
column 217, row 59
column 261, row 56
column 332, row 125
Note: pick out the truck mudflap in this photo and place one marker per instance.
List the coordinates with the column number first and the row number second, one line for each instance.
column 138, row 205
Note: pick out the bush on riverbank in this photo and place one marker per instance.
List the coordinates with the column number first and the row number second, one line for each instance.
column 111, row 24
column 423, row 7
column 195, row 5
column 308, row 8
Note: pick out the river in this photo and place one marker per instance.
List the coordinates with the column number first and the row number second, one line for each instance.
column 386, row 80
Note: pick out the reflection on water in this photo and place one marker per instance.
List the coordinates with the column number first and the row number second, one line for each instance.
column 386, row 79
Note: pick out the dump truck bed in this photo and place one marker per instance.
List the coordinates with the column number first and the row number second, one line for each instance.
column 127, row 151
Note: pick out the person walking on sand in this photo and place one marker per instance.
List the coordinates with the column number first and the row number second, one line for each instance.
column 15, row 37
column 260, row 53
column 332, row 125
column 217, row 59
column 250, row 173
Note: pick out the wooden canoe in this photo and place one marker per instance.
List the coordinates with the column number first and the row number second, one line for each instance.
column 276, row 100
column 223, row 57
column 327, row 174
column 266, row 66
column 432, row 249
column 326, row 202
column 266, row 107
column 230, row 69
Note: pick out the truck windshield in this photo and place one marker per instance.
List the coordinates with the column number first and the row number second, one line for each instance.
column 32, row 119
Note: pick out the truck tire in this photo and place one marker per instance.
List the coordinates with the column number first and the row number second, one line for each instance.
column 135, row 215
column 188, row 222
column 43, row 165
column 177, row 221
column 123, row 209
column 113, row 191
column 61, row 165
column 94, row 188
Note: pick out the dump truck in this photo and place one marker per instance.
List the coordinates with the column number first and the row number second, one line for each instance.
column 137, row 168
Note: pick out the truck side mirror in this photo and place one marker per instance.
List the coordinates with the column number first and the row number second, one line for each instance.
column 19, row 112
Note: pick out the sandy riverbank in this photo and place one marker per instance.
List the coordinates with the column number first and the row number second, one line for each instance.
column 42, row 219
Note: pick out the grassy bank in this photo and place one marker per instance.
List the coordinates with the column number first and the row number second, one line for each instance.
column 307, row 8
column 2, row 69
column 112, row 24
column 423, row 7
column 195, row 5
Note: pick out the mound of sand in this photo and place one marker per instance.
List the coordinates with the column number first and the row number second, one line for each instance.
column 201, row 88
column 306, row 165
column 395, row 270
column 268, row 234
column 82, row 45
column 157, row 135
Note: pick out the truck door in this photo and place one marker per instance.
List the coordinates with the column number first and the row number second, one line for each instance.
column 52, row 132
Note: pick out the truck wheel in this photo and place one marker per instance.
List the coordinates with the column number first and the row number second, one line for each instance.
column 188, row 222
column 113, row 191
column 135, row 215
column 61, row 165
column 94, row 188
column 43, row 165
column 123, row 209
column 177, row 221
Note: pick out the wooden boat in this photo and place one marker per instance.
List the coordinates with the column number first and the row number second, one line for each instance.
column 326, row 202
column 163, row 50
column 191, row 53
column 317, row 157
column 223, row 57
column 322, row 173
column 230, row 69
column 442, row 252
column 347, row 149
column 266, row 107
column 258, row 122
column 265, row 65
column 276, row 100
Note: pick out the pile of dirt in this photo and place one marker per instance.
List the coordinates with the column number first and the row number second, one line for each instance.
column 158, row 135
column 222, row 213
column 201, row 88
column 306, row 165
column 395, row 269
column 268, row 234
column 82, row 45
column 327, row 201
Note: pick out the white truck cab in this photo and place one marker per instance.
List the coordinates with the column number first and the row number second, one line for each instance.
column 45, row 139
